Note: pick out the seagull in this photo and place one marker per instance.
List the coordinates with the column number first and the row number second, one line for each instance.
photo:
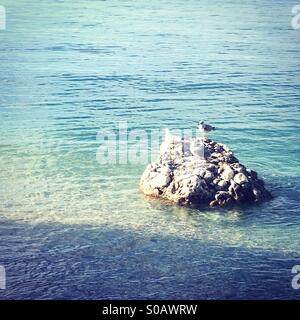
column 197, row 148
column 205, row 128
column 169, row 138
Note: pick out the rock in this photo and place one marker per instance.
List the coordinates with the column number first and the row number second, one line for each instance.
column 216, row 155
column 208, row 175
column 231, row 159
column 227, row 173
column 200, row 172
column 257, row 194
column 160, row 181
column 219, row 148
column 253, row 174
column 214, row 203
column 224, row 147
column 218, row 179
column 242, row 169
column 214, row 161
column 223, row 183
column 222, row 195
column 213, row 168
column 240, row 178
column 156, row 192
column 223, row 198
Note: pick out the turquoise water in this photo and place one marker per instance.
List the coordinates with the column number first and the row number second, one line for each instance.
column 72, row 228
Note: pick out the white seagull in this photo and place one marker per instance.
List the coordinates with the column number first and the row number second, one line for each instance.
column 197, row 149
column 169, row 138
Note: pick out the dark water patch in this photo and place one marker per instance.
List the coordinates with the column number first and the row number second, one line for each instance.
column 46, row 261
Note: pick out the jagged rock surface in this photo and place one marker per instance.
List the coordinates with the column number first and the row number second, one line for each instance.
column 216, row 178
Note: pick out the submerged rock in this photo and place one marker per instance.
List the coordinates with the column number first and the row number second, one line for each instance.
column 212, row 176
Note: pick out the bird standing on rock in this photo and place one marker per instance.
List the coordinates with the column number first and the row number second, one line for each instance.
column 197, row 149
column 169, row 138
column 205, row 128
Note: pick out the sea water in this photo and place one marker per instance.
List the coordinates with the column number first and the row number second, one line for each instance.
column 71, row 228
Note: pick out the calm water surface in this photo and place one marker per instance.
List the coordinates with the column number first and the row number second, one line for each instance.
column 71, row 228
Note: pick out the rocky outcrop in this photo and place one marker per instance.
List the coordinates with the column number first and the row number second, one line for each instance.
column 201, row 171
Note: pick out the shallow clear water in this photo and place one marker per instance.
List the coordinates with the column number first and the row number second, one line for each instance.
column 71, row 228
